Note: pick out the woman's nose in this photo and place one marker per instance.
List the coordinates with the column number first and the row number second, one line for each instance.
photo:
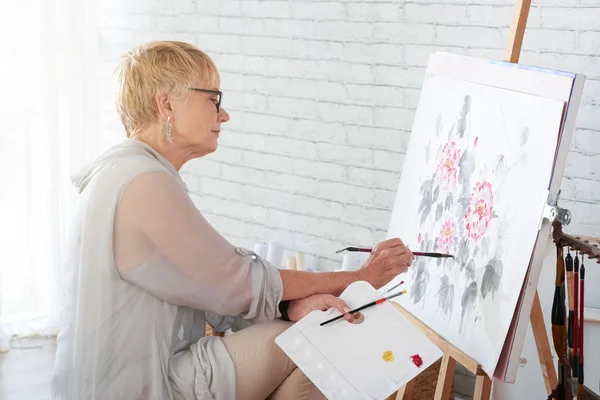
column 223, row 115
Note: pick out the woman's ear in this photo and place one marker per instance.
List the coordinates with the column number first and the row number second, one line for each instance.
column 163, row 102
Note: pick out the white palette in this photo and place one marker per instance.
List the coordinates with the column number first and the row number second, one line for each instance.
column 346, row 361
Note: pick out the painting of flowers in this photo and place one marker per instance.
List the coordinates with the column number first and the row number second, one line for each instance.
column 447, row 167
column 466, row 190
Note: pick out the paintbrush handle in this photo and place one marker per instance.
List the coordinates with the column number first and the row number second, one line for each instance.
column 350, row 312
column 371, row 304
column 361, row 249
column 581, row 328
column 435, row 255
column 416, row 253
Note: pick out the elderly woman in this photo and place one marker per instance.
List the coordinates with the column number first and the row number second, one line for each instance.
column 147, row 271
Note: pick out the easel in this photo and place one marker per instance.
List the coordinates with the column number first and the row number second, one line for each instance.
column 452, row 355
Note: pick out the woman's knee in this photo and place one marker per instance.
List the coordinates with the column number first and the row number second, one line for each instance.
column 264, row 334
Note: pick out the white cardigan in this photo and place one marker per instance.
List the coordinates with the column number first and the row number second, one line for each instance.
column 122, row 327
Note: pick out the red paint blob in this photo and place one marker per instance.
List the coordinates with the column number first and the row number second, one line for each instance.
column 416, row 359
column 475, row 142
column 419, row 239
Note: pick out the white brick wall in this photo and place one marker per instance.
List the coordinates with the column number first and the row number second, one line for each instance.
column 322, row 95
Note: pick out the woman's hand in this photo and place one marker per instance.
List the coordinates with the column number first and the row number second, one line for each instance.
column 387, row 260
column 323, row 302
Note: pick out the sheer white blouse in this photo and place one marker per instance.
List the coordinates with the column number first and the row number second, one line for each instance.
column 145, row 271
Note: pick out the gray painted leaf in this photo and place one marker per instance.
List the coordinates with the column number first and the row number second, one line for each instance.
column 524, row 136
column 469, row 294
column 427, row 186
column 470, row 270
column 462, row 119
column 468, row 299
column 449, row 201
column 439, row 212
column 462, row 252
column 436, row 193
column 425, row 201
column 419, row 286
column 466, row 166
column 445, row 296
column 500, row 164
column 491, row 278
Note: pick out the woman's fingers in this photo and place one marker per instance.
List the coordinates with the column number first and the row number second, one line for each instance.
column 403, row 260
column 387, row 244
column 332, row 301
column 348, row 316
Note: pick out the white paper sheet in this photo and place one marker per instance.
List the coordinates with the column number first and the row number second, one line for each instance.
column 474, row 184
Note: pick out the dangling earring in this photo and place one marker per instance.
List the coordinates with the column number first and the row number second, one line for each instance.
column 167, row 130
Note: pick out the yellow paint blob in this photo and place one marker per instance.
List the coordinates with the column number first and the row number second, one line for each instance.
column 388, row 356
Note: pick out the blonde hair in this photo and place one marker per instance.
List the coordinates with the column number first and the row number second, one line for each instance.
column 161, row 67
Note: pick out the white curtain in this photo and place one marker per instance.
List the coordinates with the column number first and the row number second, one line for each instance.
column 48, row 127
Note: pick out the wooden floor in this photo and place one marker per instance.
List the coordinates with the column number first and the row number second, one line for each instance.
column 26, row 369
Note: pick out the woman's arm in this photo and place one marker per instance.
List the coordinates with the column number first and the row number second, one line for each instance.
column 387, row 260
column 198, row 267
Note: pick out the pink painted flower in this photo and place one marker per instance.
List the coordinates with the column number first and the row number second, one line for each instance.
column 446, row 169
column 481, row 207
column 419, row 239
column 447, row 235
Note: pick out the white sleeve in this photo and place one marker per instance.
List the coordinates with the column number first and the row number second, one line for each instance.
column 204, row 270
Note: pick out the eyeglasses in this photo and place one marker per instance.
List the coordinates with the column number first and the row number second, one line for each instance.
column 215, row 92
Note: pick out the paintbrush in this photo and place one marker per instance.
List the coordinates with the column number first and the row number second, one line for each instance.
column 559, row 329
column 393, row 287
column 371, row 304
column 571, row 294
column 580, row 387
column 416, row 253
column 575, row 364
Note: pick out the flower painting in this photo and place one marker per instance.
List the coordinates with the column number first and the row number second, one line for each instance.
column 479, row 213
column 468, row 164
column 447, row 234
column 457, row 201
column 447, row 167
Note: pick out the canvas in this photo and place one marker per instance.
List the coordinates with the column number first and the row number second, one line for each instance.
column 474, row 184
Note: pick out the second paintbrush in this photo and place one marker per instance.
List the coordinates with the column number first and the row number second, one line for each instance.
column 371, row 304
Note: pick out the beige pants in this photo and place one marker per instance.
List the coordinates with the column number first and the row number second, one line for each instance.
column 262, row 369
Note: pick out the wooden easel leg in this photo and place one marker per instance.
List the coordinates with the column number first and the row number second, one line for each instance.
column 406, row 391
column 483, row 387
column 543, row 345
column 445, row 378
column 517, row 30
